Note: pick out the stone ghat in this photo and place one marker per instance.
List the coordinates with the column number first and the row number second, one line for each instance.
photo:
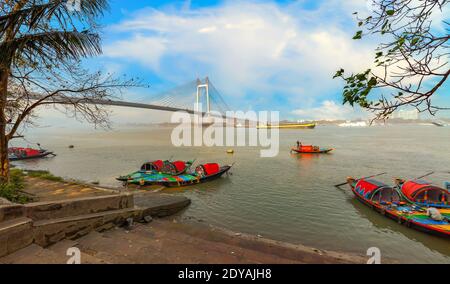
column 46, row 223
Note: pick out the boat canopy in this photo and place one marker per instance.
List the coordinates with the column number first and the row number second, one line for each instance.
column 309, row 148
column 207, row 169
column 211, row 168
column 24, row 151
column 153, row 166
column 419, row 190
column 179, row 165
column 376, row 191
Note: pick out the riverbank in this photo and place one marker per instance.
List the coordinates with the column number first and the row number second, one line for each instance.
column 175, row 241
column 169, row 240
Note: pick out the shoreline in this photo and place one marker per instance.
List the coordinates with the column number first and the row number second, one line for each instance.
column 175, row 237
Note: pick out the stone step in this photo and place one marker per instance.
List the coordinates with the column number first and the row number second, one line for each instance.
column 143, row 244
column 11, row 211
column 15, row 234
column 47, row 232
column 61, row 249
column 160, row 204
column 79, row 206
column 34, row 254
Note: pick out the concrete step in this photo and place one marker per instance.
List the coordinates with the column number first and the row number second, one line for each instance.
column 15, row 234
column 79, row 206
column 47, row 232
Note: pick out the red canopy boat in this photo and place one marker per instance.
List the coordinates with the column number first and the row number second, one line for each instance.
column 311, row 149
column 388, row 202
column 424, row 193
column 20, row 153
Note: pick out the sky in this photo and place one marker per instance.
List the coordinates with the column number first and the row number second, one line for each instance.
column 261, row 55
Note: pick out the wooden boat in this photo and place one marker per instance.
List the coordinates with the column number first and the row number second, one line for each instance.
column 202, row 173
column 423, row 193
column 311, row 149
column 288, row 125
column 156, row 169
column 19, row 153
column 387, row 201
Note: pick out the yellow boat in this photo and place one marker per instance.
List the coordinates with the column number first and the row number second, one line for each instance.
column 289, row 125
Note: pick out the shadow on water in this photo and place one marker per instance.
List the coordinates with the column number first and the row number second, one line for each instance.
column 388, row 225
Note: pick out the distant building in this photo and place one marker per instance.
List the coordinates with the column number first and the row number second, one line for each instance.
column 406, row 114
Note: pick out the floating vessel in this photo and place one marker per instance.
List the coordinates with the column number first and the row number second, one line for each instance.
column 423, row 193
column 311, row 149
column 155, row 170
column 288, row 125
column 202, row 173
column 388, row 202
column 20, row 153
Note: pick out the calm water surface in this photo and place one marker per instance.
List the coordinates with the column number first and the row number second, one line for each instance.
column 289, row 197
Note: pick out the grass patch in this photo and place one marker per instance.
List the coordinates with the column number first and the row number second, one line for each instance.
column 44, row 175
column 12, row 190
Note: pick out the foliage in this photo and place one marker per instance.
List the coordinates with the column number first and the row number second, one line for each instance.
column 411, row 63
column 42, row 45
column 12, row 190
column 44, row 175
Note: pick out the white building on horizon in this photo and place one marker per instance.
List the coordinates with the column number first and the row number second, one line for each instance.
column 406, row 114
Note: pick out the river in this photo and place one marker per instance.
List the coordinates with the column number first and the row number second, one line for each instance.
column 289, row 197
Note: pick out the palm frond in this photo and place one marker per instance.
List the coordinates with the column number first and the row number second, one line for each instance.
column 50, row 45
column 34, row 14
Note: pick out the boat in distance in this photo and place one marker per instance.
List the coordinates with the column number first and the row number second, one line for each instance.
column 310, row 149
column 287, row 126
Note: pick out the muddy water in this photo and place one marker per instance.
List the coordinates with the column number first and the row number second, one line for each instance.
column 288, row 197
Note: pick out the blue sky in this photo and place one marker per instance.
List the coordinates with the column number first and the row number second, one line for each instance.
column 261, row 55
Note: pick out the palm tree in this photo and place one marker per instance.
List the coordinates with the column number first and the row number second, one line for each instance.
column 41, row 45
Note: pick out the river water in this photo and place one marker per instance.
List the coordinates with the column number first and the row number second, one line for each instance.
column 289, row 197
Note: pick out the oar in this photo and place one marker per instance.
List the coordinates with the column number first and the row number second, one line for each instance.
column 430, row 173
column 341, row 184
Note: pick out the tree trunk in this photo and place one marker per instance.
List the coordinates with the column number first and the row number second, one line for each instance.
column 4, row 161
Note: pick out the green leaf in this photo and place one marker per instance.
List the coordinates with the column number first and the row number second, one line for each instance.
column 338, row 73
column 390, row 12
column 358, row 35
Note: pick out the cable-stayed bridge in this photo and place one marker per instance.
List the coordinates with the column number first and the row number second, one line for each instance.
column 197, row 96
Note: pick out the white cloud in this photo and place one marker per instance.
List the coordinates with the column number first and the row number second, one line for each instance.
column 248, row 47
column 329, row 110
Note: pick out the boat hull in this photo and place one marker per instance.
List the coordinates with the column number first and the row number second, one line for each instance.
column 415, row 220
column 321, row 151
column 180, row 181
column 41, row 155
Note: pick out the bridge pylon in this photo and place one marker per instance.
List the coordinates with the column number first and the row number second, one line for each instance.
column 203, row 89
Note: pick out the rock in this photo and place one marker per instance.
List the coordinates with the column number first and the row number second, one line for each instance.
column 148, row 218
column 4, row 201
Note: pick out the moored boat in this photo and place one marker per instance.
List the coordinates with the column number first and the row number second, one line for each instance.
column 20, row 153
column 387, row 201
column 311, row 149
column 423, row 193
column 202, row 173
column 155, row 170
